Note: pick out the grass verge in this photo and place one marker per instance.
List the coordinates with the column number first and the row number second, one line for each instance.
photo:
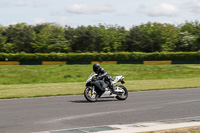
column 56, row 89
column 36, row 74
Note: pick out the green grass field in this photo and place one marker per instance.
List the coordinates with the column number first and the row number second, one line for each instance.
column 34, row 74
column 52, row 80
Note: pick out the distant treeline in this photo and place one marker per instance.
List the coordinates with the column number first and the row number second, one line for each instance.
column 50, row 37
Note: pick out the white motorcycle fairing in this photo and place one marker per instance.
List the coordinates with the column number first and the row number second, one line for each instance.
column 120, row 92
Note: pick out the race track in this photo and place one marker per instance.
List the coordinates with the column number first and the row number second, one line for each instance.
column 64, row 112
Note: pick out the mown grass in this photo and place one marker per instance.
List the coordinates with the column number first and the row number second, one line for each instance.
column 57, row 89
column 54, row 80
column 78, row 73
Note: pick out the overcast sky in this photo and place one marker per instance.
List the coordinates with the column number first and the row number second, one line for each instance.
column 92, row 12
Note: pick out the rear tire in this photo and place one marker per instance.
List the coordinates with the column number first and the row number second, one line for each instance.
column 89, row 97
column 124, row 95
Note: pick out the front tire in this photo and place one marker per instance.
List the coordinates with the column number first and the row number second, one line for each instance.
column 124, row 94
column 89, row 96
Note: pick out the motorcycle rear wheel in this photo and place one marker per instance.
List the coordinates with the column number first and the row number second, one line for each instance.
column 124, row 95
column 89, row 96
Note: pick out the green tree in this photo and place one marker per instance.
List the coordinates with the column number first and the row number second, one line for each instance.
column 50, row 38
column 9, row 48
column 84, row 39
column 113, row 38
column 187, row 41
column 189, row 37
column 20, row 35
column 152, row 37
column 41, row 40
column 135, row 41
column 169, row 35
column 3, row 38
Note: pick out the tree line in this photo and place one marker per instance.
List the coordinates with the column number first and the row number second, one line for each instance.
column 50, row 37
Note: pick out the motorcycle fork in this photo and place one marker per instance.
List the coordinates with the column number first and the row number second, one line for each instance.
column 93, row 90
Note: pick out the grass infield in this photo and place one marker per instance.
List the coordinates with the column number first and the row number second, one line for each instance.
column 57, row 89
column 55, row 80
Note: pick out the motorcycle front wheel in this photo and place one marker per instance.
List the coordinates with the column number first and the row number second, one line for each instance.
column 122, row 95
column 89, row 96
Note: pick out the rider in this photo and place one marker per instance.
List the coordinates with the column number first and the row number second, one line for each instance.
column 101, row 74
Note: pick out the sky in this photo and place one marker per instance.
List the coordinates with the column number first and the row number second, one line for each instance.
column 75, row 13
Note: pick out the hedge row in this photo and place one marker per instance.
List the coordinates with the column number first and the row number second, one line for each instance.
column 87, row 57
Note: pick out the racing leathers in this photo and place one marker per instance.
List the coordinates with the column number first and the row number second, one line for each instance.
column 102, row 78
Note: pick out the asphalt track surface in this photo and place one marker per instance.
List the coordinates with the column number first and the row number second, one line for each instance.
column 65, row 112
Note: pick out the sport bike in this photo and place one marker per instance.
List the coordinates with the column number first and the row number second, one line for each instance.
column 91, row 94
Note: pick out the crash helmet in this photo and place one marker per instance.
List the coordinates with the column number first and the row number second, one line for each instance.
column 96, row 67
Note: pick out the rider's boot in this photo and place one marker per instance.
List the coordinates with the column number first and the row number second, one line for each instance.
column 112, row 90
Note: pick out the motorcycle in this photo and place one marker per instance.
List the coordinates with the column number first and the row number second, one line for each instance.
column 92, row 95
